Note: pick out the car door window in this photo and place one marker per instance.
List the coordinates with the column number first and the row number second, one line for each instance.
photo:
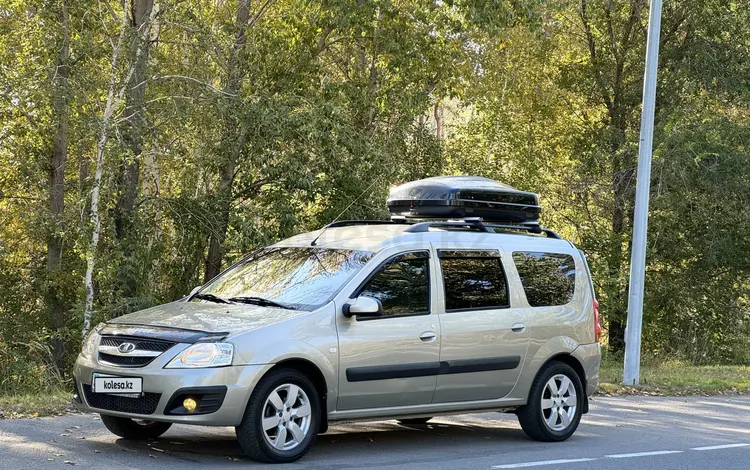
column 473, row 280
column 402, row 285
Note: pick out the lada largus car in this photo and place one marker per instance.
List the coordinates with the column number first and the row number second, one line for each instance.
column 362, row 320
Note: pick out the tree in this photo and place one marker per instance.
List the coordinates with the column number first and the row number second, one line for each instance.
column 196, row 132
column 556, row 111
column 58, row 159
column 134, row 130
column 234, row 134
column 115, row 96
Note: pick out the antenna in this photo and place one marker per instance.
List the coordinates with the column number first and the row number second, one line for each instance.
column 323, row 230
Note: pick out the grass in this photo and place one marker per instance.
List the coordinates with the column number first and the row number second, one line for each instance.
column 35, row 405
column 676, row 378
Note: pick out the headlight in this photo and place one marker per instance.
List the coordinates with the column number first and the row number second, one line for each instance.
column 203, row 355
column 92, row 340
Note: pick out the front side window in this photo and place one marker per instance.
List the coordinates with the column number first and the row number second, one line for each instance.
column 402, row 285
column 473, row 280
column 302, row 278
column 548, row 279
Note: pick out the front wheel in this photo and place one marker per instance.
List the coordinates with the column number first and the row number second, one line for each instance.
column 281, row 419
column 134, row 429
column 555, row 404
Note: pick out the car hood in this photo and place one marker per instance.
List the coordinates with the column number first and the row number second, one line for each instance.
column 208, row 317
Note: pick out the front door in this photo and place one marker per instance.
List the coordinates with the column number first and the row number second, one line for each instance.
column 392, row 360
column 484, row 337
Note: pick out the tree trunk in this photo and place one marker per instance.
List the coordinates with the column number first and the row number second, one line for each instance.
column 133, row 131
column 58, row 159
column 622, row 173
column 216, row 243
column 621, row 160
column 114, row 99
column 231, row 143
column 438, row 112
column 83, row 171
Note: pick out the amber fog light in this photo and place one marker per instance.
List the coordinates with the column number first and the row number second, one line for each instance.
column 190, row 404
column 196, row 400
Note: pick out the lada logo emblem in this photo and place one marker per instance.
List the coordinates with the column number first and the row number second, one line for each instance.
column 126, row 348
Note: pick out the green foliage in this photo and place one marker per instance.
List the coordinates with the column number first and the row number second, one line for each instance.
column 699, row 242
column 335, row 102
column 27, row 366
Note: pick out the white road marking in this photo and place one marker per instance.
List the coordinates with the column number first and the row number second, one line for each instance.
column 725, row 446
column 643, row 454
column 541, row 463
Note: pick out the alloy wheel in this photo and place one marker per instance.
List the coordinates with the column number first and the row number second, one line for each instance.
column 559, row 402
column 286, row 417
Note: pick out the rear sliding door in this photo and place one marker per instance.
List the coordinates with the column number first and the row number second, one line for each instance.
column 483, row 337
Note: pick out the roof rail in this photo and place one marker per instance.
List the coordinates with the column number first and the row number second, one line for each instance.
column 349, row 223
column 477, row 224
column 528, row 228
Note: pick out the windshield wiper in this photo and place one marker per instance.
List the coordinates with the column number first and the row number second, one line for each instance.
column 211, row 298
column 260, row 301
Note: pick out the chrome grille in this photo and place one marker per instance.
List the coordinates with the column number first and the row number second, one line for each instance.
column 145, row 344
column 142, row 352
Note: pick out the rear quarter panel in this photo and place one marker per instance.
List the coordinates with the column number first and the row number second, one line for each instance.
column 553, row 330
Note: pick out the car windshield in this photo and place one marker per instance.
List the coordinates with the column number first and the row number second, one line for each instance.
column 298, row 278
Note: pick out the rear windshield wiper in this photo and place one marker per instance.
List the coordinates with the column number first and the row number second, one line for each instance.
column 211, row 298
column 260, row 301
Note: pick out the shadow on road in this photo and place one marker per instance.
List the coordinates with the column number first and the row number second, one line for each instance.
column 344, row 439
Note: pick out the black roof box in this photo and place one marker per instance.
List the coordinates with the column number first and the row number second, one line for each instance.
column 459, row 197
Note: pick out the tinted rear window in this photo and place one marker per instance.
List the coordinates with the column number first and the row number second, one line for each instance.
column 548, row 278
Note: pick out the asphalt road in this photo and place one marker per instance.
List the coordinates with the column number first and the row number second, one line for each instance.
column 618, row 433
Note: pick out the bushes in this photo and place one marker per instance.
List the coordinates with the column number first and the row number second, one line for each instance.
column 28, row 368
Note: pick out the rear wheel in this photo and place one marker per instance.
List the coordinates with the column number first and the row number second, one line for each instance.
column 282, row 418
column 413, row 421
column 134, row 428
column 555, row 404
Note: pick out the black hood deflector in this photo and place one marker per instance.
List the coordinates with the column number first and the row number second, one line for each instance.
column 175, row 335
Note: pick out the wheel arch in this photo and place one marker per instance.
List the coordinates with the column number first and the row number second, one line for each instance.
column 575, row 364
column 313, row 372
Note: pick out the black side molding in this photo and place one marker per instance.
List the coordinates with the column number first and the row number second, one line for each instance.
column 396, row 371
column 428, row 369
column 479, row 365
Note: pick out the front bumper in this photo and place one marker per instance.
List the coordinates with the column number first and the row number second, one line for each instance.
column 160, row 385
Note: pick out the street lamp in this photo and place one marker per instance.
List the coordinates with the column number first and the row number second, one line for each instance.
column 631, row 374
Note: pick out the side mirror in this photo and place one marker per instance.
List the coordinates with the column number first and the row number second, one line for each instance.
column 363, row 306
column 193, row 292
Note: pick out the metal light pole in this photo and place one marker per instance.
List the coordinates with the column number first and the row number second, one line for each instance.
column 632, row 370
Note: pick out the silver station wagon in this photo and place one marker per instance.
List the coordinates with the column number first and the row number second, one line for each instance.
column 362, row 320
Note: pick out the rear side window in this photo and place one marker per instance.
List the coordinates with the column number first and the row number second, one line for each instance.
column 402, row 285
column 473, row 280
column 548, row 279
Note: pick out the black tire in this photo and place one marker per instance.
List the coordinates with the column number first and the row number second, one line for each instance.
column 131, row 429
column 413, row 421
column 250, row 433
column 533, row 418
